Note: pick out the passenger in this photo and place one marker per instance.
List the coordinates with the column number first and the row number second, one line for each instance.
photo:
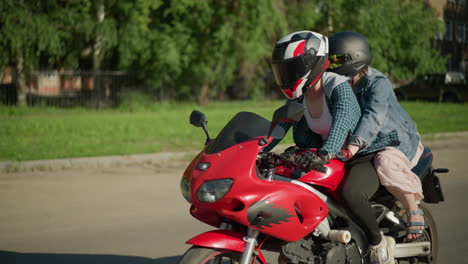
column 384, row 127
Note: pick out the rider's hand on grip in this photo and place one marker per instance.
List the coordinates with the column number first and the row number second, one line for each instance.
column 344, row 155
column 310, row 161
column 291, row 150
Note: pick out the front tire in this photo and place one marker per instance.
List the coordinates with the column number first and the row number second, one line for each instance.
column 201, row 255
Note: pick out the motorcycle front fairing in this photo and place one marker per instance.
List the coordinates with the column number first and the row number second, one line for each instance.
column 280, row 209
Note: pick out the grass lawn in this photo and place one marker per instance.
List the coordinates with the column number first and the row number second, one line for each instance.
column 49, row 133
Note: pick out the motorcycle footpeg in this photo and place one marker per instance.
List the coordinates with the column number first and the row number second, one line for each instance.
column 414, row 249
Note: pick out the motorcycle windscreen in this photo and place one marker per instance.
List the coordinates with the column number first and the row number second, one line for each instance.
column 243, row 126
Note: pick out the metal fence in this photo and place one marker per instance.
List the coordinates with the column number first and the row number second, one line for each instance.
column 71, row 89
column 108, row 90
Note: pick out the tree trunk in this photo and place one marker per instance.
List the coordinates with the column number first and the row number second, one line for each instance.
column 97, row 56
column 330, row 20
column 203, row 96
column 22, row 89
column 97, row 47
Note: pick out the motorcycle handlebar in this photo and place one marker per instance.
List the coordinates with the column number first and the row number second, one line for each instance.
column 274, row 159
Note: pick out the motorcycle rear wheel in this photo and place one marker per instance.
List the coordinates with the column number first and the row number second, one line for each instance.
column 429, row 234
column 202, row 255
column 432, row 229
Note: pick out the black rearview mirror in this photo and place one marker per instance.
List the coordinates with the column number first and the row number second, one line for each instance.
column 198, row 119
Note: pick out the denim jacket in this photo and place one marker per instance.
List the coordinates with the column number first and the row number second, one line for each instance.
column 345, row 112
column 383, row 122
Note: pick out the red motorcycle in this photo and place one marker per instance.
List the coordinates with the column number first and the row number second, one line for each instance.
column 265, row 201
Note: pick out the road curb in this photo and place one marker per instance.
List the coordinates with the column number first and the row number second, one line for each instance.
column 91, row 162
column 435, row 141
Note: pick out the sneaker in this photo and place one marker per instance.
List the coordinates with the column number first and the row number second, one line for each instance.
column 383, row 252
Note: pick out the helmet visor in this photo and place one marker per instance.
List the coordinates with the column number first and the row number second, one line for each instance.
column 337, row 60
column 289, row 71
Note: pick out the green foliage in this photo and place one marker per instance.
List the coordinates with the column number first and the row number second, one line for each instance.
column 187, row 44
column 210, row 42
column 40, row 29
column 180, row 46
column 399, row 33
column 403, row 45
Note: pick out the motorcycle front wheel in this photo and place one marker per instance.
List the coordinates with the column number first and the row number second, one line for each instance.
column 202, row 255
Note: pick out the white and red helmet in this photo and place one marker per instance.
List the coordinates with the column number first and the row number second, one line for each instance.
column 298, row 61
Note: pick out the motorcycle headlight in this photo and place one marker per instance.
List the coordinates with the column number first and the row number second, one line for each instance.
column 185, row 189
column 212, row 191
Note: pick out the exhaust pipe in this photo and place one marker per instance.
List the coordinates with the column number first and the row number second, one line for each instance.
column 412, row 249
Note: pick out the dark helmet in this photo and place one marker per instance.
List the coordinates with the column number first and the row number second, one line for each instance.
column 298, row 61
column 349, row 53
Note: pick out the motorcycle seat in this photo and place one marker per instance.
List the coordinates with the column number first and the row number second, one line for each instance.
column 424, row 164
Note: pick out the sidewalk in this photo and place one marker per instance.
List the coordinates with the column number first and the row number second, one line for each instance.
column 435, row 141
column 93, row 162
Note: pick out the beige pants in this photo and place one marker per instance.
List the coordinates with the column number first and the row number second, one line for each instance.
column 394, row 169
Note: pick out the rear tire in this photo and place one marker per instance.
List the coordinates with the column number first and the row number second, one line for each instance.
column 430, row 234
column 201, row 255
column 434, row 236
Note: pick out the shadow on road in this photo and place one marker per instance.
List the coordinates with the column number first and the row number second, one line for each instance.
column 8, row 257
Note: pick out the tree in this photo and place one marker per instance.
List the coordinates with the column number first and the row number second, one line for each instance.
column 399, row 33
column 191, row 49
column 201, row 48
column 196, row 47
column 31, row 30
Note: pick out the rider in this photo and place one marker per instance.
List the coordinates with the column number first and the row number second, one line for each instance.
column 331, row 110
column 384, row 127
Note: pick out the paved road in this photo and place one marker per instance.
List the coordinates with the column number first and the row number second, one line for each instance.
column 135, row 214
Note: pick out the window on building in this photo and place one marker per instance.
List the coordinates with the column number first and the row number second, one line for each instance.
column 466, row 33
column 448, row 30
column 460, row 32
column 448, row 63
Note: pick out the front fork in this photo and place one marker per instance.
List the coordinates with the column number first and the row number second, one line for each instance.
column 226, row 238
column 250, row 243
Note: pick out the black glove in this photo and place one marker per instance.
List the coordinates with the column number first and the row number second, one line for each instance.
column 292, row 149
column 343, row 155
column 310, row 161
column 290, row 152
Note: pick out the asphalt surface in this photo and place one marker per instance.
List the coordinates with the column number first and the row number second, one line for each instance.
column 133, row 212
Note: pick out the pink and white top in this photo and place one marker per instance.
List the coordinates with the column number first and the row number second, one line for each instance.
column 320, row 125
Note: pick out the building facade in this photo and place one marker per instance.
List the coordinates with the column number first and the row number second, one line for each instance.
column 453, row 43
